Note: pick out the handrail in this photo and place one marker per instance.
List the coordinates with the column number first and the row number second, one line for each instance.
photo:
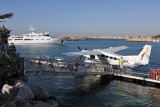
column 64, row 66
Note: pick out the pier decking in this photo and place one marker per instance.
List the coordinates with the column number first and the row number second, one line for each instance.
column 36, row 67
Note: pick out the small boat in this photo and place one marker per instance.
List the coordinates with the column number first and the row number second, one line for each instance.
column 58, row 62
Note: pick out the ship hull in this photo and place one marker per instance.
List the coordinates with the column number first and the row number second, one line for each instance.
column 37, row 41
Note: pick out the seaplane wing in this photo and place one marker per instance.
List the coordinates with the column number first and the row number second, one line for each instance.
column 97, row 51
column 112, row 49
column 83, row 52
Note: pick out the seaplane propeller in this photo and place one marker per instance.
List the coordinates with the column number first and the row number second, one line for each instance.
column 81, row 50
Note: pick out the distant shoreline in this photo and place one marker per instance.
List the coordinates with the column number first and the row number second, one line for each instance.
column 149, row 39
column 128, row 39
column 133, row 39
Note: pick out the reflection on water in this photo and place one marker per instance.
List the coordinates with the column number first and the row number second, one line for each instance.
column 88, row 91
column 39, row 50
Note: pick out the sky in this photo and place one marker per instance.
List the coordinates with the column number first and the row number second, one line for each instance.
column 83, row 17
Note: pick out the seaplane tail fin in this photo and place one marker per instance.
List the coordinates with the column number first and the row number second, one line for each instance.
column 143, row 56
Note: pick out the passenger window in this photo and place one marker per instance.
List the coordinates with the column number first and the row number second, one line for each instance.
column 107, row 56
column 115, row 58
column 102, row 55
column 111, row 57
column 92, row 56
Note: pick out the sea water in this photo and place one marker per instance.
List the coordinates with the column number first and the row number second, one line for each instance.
column 92, row 91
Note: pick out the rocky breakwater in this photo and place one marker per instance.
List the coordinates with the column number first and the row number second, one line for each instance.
column 76, row 38
column 73, row 38
column 143, row 39
column 20, row 94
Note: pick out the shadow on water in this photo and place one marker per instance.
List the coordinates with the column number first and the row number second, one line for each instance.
column 86, row 89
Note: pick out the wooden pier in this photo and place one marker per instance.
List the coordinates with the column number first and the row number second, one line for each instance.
column 36, row 67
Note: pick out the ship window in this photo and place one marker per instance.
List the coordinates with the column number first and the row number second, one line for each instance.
column 37, row 39
column 33, row 35
column 28, row 39
column 42, row 39
column 18, row 39
column 115, row 58
column 111, row 57
column 48, row 39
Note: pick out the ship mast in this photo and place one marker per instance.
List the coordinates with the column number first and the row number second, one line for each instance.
column 32, row 29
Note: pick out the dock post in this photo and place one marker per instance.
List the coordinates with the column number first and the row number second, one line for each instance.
column 148, row 73
column 23, row 66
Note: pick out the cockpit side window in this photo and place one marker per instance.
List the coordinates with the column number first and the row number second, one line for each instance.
column 92, row 56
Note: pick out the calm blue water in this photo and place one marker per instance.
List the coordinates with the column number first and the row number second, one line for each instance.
column 88, row 91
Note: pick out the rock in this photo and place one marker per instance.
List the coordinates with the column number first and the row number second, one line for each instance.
column 6, row 89
column 52, row 98
column 14, row 78
column 40, row 93
column 23, row 78
column 18, row 101
column 37, row 104
column 24, row 91
column 19, row 84
column 50, row 103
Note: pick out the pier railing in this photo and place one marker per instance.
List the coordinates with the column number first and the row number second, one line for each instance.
column 58, row 67
column 43, row 66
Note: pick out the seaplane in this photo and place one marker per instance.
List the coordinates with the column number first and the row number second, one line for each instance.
column 108, row 56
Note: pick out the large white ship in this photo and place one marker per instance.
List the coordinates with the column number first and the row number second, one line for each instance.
column 34, row 38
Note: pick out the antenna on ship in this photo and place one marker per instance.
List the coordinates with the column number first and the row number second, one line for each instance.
column 32, row 29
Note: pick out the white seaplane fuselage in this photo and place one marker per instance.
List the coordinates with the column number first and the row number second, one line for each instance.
column 108, row 56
